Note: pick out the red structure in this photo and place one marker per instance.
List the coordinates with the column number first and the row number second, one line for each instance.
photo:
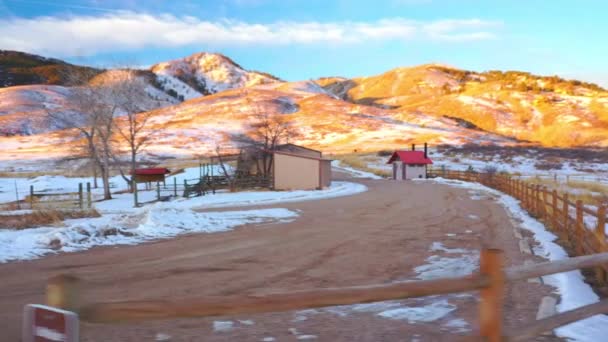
column 410, row 164
column 150, row 175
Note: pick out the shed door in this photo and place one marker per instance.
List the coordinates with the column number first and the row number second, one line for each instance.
column 394, row 170
column 404, row 171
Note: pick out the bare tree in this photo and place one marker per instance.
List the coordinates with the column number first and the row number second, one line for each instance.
column 96, row 102
column 133, row 127
column 90, row 117
column 265, row 134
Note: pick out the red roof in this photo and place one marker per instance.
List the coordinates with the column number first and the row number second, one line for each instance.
column 410, row 157
column 152, row 171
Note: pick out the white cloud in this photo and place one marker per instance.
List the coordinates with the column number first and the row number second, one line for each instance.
column 88, row 35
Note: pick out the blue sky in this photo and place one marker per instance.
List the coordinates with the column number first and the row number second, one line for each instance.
column 306, row 39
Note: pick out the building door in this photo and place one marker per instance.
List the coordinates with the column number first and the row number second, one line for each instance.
column 394, row 170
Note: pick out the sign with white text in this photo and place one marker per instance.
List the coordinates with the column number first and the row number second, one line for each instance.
column 47, row 324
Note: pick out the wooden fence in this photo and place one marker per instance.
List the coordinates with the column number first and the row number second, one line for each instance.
column 43, row 200
column 63, row 201
column 63, row 292
column 582, row 230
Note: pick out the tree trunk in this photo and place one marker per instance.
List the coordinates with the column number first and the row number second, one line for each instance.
column 94, row 166
column 105, row 177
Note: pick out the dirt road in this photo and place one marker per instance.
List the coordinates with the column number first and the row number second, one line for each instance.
column 378, row 236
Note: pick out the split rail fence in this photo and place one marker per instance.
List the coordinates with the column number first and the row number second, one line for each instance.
column 45, row 200
column 63, row 292
column 582, row 230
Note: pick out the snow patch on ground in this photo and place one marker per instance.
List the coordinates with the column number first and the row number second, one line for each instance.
column 426, row 313
column 457, row 325
column 123, row 224
column 121, row 229
column 222, row 326
column 439, row 247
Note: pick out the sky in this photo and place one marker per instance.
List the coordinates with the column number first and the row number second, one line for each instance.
column 307, row 39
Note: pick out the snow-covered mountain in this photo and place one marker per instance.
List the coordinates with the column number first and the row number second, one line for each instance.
column 206, row 73
column 26, row 100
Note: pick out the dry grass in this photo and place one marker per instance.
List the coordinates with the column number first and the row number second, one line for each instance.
column 358, row 161
column 590, row 193
column 40, row 218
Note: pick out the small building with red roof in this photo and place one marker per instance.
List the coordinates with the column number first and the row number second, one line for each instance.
column 410, row 164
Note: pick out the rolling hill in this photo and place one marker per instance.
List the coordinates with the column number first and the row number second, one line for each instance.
column 546, row 110
column 199, row 102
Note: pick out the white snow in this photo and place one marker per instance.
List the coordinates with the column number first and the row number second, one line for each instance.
column 442, row 267
column 573, row 290
column 222, row 326
column 426, row 313
column 122, row 224
column 156, row 222
column 457, row 325
column 439, row 247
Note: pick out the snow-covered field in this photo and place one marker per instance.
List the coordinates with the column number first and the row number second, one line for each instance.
column 571, row 287
column 122, row 224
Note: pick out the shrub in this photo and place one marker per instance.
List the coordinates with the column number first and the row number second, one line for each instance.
column 490, row 169
column 384, row 153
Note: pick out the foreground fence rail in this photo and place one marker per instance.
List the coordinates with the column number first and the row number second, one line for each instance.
column 63, row 292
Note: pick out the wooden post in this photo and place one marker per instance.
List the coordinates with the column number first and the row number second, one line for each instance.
column 89, row 197
column 544, row 202
column 579, row 227
column 600, row 233
column 62, row 291
column 175, row 186
column 566, row 216
column 554, row 211
column 158, row 191
column 32, row 196
column 80, row 196
column 186, row 188
column 490, row 307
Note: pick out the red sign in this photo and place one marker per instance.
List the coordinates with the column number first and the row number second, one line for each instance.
column 47, row 324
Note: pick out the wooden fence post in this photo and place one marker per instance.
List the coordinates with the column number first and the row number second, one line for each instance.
column 62, row 291
column 554, row 211
column 579, row 227
column 600, row 233
column 89, row 197
column 80, row 196
column 175, row 186
column 490, row 307
column 186, row 193
column 32, row 197
column 544, row 202
column 566, row 216
column 158, row 191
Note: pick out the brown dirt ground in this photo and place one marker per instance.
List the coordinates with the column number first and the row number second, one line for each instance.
column 378, row 236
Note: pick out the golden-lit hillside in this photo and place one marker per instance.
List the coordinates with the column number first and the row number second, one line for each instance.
column 546, row 110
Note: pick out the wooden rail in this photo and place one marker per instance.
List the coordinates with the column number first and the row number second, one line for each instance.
column 63, row 291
